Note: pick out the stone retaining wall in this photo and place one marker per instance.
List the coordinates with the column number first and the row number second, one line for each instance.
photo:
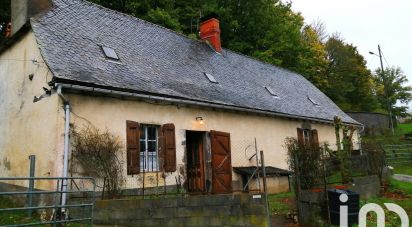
column 205, row 210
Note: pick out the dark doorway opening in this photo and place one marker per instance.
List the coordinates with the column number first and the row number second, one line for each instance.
column 195, row 161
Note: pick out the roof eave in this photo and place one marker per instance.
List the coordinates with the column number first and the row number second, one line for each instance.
column 105, row 91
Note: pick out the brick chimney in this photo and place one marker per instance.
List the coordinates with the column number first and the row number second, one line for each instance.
column 210, row 32
column 23, row 10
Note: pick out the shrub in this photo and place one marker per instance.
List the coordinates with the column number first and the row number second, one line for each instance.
column 99, row 154
column 305, row 161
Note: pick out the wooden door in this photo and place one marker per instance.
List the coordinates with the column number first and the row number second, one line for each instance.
column 221, row 162
column 195, row 162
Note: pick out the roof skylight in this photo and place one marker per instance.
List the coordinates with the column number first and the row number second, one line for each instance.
column 313, row 101
column 110, row 53
column 210, row 78
column 271, row 92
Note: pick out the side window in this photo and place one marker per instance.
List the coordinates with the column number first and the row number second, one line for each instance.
column 149, row 144
column 306, row 136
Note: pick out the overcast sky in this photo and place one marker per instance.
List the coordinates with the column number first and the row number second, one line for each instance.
column 367, row 23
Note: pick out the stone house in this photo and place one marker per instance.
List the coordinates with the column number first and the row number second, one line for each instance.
column 74, row 63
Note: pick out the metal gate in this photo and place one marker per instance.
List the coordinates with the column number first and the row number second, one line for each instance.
column 49, row 203
column 398, row 154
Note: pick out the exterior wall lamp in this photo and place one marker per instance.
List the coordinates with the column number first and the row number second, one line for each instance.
column 200, row 120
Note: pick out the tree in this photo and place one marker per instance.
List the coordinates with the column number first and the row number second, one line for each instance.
column 351, row 83
column 265, row 29
column 391, row 90
column 313, row 60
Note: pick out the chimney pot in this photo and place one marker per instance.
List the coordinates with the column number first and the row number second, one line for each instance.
column 8, row 30
column 210, row 32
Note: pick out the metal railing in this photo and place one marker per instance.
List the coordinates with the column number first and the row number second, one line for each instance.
column 400, row 154
column 59, row 211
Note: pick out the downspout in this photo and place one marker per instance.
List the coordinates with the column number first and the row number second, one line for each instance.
column 66, row 146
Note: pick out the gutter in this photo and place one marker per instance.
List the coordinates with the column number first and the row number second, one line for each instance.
column 66, row 147
column 115, row 93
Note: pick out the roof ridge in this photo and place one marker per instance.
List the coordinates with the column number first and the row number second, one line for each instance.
column 185, row 36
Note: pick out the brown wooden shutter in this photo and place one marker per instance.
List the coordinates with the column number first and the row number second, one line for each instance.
column 169, row 148
column 301, row 140
column 133, row 147
column 314, row 138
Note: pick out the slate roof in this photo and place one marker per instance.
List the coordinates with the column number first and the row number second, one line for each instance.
column 155, row 60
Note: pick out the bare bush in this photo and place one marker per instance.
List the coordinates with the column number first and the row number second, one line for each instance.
column 99, row 154
column 306, row 162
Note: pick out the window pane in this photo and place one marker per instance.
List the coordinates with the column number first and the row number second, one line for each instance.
column 142, row 161
column 142, row 146
column 151, row 132
column 152, row 161
column 142, row 134
column 151, row 146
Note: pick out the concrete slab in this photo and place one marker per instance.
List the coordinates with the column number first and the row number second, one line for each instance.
column 402, row 177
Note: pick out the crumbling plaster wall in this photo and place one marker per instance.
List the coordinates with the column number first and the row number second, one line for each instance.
column 28, row 128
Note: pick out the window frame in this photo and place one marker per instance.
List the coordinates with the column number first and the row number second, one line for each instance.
column 307, row 134
column 144, row 155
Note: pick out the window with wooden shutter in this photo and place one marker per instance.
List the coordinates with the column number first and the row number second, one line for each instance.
column 169, row 148
column 133, row 147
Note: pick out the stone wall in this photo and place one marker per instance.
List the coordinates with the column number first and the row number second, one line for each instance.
column 375, row 123
column 204, row 210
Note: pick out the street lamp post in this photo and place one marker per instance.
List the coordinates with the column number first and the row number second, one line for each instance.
column 385, row 82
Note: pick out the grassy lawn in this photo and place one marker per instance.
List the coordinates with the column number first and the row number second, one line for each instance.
column 403, row 169
column 405, row 128
column 21, row 217
column 388, row 138
column 282, row 203
column 15, row 217
column 399, row 193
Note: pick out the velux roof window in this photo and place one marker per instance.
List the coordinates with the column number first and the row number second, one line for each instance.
column 110, row 53
column 313, row 101
column 271, row 92
column 210, row 78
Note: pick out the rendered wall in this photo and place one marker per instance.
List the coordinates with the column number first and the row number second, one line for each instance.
column 28, row 128
column 270, row 132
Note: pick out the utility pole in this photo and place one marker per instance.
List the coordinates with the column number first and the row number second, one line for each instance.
column 385, row 82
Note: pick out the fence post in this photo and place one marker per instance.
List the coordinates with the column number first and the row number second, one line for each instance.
column 325, row 186
column 298, row 186
column 257, row 167
column 265, row 190
column 29, row 202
